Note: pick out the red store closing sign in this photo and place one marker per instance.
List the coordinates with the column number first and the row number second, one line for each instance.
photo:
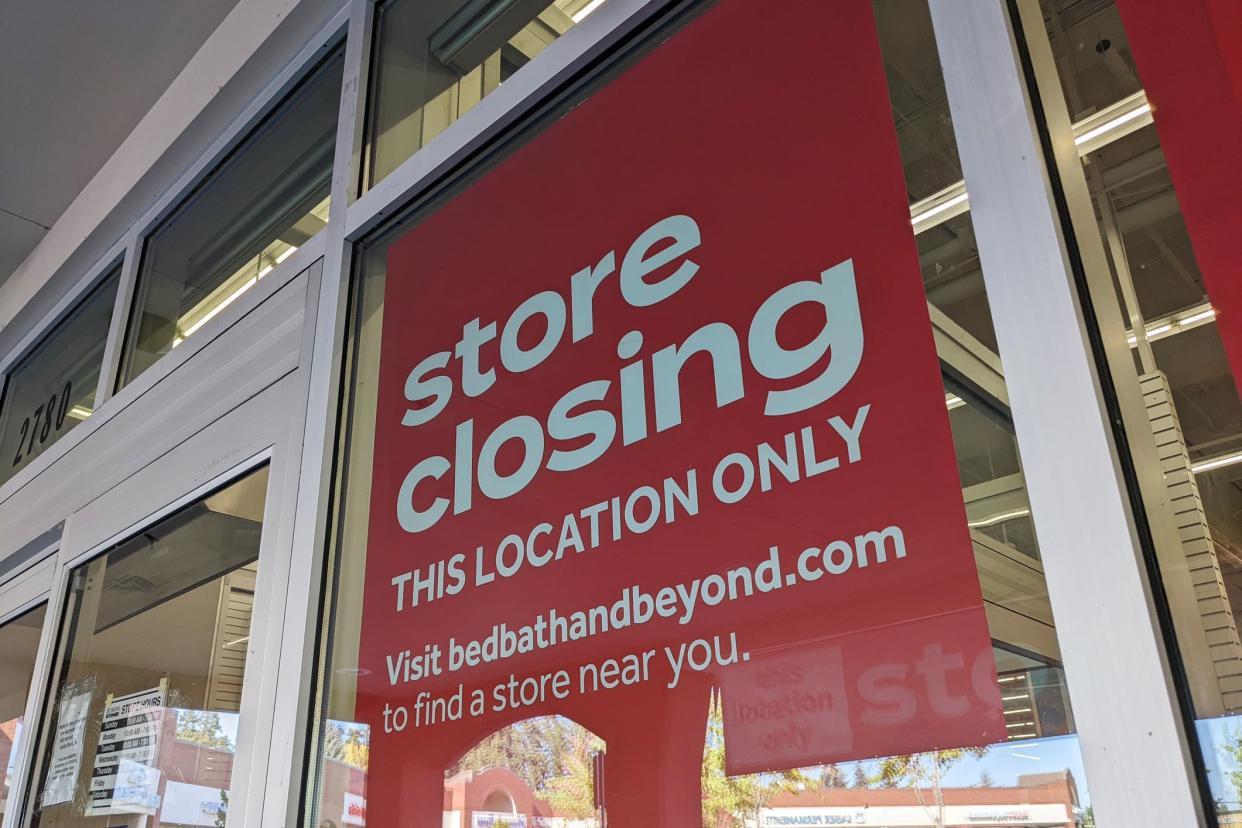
column 660, row 412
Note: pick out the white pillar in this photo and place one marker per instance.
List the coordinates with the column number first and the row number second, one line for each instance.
column 1139, row 768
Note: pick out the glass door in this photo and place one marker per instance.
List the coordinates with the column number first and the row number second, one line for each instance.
column 142, row 720
column 19, row 647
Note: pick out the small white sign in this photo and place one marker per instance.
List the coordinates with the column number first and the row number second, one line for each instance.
column 66, row 759
column 124, row 778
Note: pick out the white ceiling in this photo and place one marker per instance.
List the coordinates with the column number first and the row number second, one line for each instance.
column 75, row 78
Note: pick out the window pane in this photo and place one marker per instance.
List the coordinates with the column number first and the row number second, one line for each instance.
column 19, row 644
column 435, row 60
column 1189, row 392
column 251, row 213
column 154, row 647
column 546, row 769
column 53, row 388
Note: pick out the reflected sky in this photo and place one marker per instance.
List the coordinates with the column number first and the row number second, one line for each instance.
column 1215, row 737
column 1004, row 763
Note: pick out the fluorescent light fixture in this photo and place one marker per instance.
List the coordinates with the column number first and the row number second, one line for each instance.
column 581, row 14
column 1109, row 124
column 939, row 207
column 80, row 412
column 1220, row 461
column 1201, row 316
column 1183, row 320
column 228, row 300
column 992, row 520
column 1122, row 118
column 953, row 401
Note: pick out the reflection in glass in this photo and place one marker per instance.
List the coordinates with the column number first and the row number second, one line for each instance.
column 433, row 63
column 263, row 202
column 53, row 388
column 1033, row 777
column 19, row 644
column 143, row 720
column 1188, row 391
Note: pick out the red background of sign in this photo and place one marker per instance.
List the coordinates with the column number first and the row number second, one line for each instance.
column 773, row 131
column 1189, row 57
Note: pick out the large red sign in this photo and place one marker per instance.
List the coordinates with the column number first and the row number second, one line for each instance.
column 660, row 412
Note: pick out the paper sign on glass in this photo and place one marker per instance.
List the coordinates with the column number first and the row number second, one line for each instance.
column 660, row 414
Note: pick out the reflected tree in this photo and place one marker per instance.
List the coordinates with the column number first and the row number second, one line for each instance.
column 356, row 749
column 832, row 777
column 551, row 754
column 1231, row 744
column 923, row 772
column 333, row 740
column 347, row 742
column 860, row 780
column 737, row 800
column 202, row 727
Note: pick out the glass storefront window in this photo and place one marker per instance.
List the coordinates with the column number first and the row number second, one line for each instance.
column 1188, row 390
column 52, row 389
column 552, row 768
column 435, row 60
column 142, row 721
column 19, row 644
column 267, row 198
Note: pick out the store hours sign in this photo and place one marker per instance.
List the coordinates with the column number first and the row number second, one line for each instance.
column 660, row 414
column 124, row 778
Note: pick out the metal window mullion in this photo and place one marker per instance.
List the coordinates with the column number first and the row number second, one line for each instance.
column 114, row 348
column 323, row 344
column 1133, row 740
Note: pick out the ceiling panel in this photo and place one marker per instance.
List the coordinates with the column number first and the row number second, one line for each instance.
column 75, row 78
